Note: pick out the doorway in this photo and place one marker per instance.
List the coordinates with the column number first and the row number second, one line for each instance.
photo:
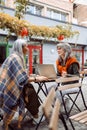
column 2, row 54
column 34, row 58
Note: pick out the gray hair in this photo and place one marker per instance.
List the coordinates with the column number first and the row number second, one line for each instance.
column 67, row 48
column 17, row 47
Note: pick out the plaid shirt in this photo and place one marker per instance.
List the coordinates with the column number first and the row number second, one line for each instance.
column 12, row 79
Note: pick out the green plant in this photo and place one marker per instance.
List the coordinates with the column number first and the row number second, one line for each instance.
column 20, row 8
column 15, row 25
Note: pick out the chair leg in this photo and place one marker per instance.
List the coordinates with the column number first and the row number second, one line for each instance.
column 63, row 121
column 71, row 124
column 66, row 111
column 39, row 122
column 83, row 98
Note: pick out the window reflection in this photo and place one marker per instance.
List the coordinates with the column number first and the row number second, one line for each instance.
column 34, row 9
column 56, row 14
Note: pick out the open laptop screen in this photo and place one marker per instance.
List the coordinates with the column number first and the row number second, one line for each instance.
column 46, row 70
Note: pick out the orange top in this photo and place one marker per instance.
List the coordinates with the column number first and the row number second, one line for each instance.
column 68, row 63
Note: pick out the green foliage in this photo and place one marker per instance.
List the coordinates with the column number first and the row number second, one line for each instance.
column 20, row 8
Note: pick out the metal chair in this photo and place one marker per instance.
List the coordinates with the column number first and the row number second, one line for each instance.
column 81, row 117
column 68, row 83
column 51, row 107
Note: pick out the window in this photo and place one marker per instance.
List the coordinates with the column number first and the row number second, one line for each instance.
column 34, row 9
column 63, row 16
column 2, row 2
column 7, row 3
column 49, row 13
column 56, row 15
column 31, row 9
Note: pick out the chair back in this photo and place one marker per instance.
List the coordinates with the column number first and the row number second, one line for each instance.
column 68, row 82
column 51, row 107
column 55, row 116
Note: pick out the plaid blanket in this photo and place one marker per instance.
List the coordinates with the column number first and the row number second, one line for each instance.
column 12, row 79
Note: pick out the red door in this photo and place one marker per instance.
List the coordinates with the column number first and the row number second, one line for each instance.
column 35, row 57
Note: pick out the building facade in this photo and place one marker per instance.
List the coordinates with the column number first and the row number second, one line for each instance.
column 48, row 13
column 80, row 14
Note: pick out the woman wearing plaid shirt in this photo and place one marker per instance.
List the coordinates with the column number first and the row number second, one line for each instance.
column 13, row 77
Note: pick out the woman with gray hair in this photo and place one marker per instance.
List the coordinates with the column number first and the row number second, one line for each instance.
column 13, row 78
column 66, row 63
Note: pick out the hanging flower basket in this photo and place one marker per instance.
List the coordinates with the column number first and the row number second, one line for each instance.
column 24, row 32
column 24, row 28
column 60, row 37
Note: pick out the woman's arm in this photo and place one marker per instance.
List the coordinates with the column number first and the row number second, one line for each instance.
column 73, row 69
column 37, row 78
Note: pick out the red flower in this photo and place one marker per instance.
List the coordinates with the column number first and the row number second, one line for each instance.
column 60, row 37
column 24, row 32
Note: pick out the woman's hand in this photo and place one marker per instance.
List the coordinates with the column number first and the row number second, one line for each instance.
column 41, row 78
column 37, row 78
column 64, row 73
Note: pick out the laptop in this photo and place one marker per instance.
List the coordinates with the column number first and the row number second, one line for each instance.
column 46, row 70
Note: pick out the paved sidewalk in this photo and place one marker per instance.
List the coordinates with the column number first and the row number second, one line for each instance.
column 27, row 125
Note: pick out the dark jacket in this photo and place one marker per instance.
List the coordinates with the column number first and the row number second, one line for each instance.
column 71, row 66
